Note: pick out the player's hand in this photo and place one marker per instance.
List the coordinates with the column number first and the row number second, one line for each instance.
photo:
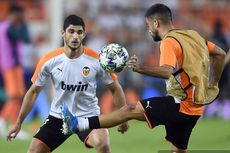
column 123, row 127
column 133, row 63
column 13, row 132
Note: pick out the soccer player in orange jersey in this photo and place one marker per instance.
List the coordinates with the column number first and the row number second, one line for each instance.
column 185, row 64
column 74, row 70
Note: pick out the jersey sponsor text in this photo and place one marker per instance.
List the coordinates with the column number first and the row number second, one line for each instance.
column 71, row 87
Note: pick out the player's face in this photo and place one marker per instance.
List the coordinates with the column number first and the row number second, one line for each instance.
column 17, row 18
column 152, row 26
column 73, row 36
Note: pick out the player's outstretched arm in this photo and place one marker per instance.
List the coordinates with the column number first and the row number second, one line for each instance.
column 27, row 105
column 164, row 71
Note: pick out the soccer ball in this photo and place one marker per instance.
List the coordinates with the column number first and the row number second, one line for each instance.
column 113, row 58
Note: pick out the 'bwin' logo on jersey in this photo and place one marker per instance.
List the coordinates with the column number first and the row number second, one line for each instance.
column 71, row 87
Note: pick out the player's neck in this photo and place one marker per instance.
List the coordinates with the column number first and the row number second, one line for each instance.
column 165, row 30
column 70, row 53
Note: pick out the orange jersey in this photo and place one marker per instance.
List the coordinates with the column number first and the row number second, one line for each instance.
column 171, row 54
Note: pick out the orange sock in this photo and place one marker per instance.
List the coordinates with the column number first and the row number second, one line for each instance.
column 11, row 110
column 15, row 108
column 5, row 110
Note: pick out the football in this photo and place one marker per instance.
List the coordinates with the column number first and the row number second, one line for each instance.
column 113, row 58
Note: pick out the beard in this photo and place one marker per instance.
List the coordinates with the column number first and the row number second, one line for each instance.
column 155, row 36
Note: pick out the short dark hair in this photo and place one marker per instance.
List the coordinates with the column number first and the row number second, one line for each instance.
column 160, row 11
column 74, row 20
column 15, row 8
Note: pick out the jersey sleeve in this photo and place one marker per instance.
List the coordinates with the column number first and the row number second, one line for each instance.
column 106, row 77
column 211, row 46
column 168, row 48
column 41, row 73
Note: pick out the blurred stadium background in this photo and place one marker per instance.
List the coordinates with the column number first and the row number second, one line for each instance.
column 122, row 21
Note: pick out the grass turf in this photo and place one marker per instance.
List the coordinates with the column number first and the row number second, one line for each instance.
column 209, row 134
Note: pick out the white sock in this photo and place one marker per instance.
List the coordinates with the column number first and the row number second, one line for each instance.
column 2, row 123
column 83, row 124
column 3, row 129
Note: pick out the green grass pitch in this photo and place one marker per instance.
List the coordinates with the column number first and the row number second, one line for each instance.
column 209, row 134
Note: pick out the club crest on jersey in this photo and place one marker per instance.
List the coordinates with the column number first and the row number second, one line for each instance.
column 86, row 70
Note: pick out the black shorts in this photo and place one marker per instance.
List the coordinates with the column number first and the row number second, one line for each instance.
column 51, row 134
column 164, row 111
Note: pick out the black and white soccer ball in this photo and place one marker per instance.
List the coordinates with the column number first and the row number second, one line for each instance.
column 113, row 58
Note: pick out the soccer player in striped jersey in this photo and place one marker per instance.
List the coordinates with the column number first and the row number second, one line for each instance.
column 74, row 70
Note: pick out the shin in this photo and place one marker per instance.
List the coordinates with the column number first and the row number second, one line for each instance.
column 124, row 114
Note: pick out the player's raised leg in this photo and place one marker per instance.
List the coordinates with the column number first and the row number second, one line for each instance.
column 115, row 118
column 127, row 112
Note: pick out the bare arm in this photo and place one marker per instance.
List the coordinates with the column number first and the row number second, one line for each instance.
column 164, row 71
column 119, row 101
column 118, row 94
column 27, row 105
column 217, row 65
column 28, row 102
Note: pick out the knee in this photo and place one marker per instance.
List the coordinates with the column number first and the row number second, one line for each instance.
column 37, row 150
column 129, row 107
column 102, row 146
column 175, row 149
column 100, row 140
column 37, row 147
column 179, row 151
column 131, row 111
column 32, row 150
column 124, row 113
